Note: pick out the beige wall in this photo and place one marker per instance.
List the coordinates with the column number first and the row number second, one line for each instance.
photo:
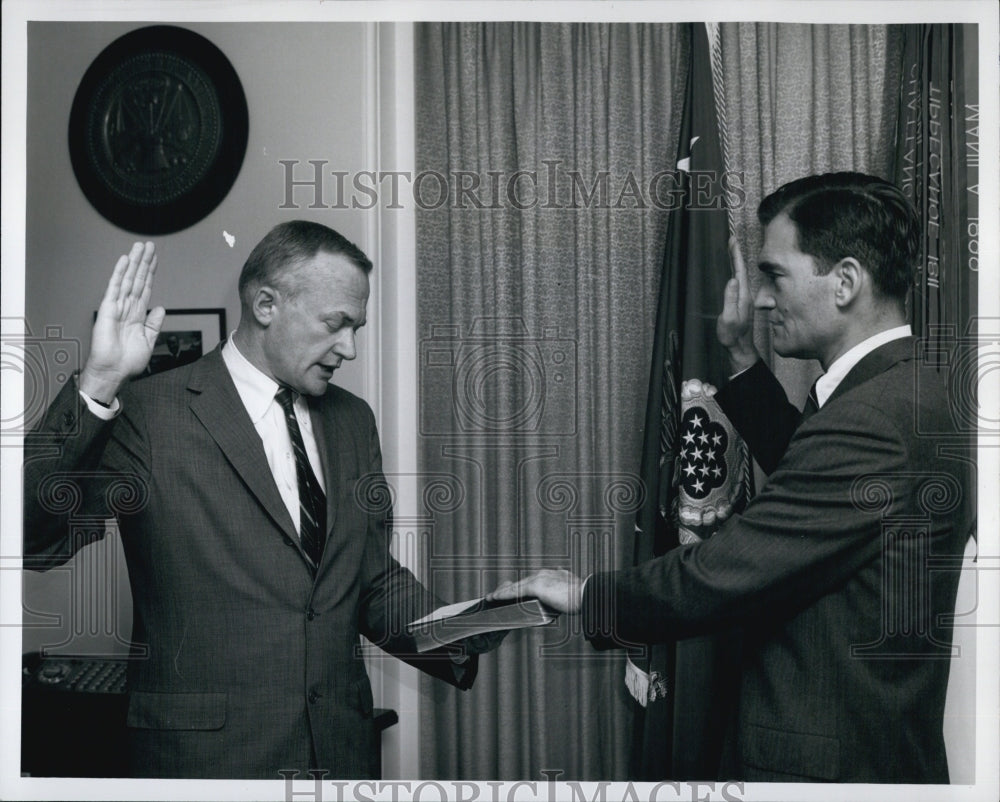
column 304, row 84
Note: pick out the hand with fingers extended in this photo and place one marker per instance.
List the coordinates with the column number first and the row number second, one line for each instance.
column 124, row 334
column 734, row 327
column 557, row 588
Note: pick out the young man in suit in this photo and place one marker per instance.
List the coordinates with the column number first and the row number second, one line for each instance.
column 843, row 569
column 251, row 504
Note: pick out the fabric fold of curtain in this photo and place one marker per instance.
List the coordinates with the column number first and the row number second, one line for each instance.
column 937, row 166
column 537, row 280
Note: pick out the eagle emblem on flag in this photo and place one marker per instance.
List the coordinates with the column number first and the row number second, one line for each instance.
column 711, row 465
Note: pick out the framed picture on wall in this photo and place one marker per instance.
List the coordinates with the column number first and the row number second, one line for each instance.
column 186, row 335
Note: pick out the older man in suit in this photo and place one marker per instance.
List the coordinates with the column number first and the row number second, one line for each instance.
column 842, row 570
column 251, row 505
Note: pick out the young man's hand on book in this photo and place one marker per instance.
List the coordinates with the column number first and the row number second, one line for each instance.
column 557, row 588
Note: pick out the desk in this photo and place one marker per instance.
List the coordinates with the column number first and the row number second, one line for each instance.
column 73, row 712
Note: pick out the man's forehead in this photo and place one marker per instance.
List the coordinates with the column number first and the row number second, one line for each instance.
column 780, row 237
column 325, row 269
column 346, row 303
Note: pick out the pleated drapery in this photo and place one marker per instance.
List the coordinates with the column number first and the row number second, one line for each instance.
column 548, row 313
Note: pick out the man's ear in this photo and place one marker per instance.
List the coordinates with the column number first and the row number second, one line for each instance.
column 851, row 279
column 265, row 300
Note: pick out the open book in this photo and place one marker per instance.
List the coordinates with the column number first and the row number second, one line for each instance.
column 463, row 619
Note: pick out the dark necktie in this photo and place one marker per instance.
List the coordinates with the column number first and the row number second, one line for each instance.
column 812, row 403
column 312, row 501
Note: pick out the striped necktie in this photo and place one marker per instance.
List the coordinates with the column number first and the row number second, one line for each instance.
column 312, row 501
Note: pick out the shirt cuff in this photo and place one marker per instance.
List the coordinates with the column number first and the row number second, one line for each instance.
column 741, row 372
column 101, row 411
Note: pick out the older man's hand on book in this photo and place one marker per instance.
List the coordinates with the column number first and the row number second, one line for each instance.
column 478, row 625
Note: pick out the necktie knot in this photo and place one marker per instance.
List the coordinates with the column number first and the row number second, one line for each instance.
column 286, row 398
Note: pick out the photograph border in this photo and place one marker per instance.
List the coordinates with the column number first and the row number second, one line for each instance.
column 303, row 786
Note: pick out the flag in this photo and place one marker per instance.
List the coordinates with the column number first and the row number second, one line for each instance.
column 695, row 468
column 937, row 167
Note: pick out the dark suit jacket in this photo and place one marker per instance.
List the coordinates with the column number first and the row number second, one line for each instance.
column 253, row 663
column 843, row 569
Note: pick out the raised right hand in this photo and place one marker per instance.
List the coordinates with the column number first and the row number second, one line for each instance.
column 124, row 335
column 734, row 327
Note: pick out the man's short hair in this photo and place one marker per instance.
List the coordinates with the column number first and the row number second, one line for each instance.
column 288, row 245
column 837, row 215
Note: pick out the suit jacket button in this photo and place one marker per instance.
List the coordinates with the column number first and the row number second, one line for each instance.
column 314, row 696
column 310, row 614
column 68, row 419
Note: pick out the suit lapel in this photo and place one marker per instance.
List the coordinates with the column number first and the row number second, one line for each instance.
column 871, row 365
column 217, row 405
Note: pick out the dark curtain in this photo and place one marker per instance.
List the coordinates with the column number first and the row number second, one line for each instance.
column 937, row 166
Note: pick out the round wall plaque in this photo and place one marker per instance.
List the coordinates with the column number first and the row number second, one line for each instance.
column 158, row 129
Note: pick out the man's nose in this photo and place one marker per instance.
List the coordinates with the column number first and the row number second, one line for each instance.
column 346, row 347
column 763, row 299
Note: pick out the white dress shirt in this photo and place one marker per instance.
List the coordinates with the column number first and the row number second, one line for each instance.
column 829, row 381
column 101, row 411
column 257, row 392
